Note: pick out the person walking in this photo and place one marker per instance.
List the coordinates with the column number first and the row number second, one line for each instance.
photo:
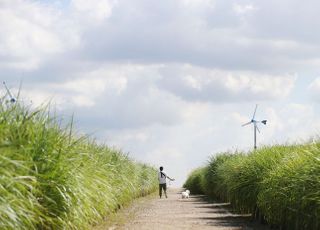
column 162, row 177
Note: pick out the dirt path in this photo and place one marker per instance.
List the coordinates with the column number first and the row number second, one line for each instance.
column 176, row 213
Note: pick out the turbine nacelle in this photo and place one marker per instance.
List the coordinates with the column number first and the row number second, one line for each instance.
column 12, row 100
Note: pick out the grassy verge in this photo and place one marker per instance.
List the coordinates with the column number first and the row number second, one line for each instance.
column 278, row 184
column 53, row 179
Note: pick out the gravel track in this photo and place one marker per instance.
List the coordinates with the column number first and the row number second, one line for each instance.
column 176, row 213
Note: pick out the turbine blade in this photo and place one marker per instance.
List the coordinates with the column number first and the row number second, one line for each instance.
column 8, row 91
column 247, row 123
column 257, row 128
column 255, row 110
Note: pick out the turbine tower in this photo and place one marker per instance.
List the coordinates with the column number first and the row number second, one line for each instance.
column 255, row 126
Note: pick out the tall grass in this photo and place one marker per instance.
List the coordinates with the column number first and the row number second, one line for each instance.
column 195, row 180
column 279, row 184
column 51, row 178
column 290, row 194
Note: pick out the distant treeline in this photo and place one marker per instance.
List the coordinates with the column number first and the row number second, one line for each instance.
column 279, row 185
column 51, row 178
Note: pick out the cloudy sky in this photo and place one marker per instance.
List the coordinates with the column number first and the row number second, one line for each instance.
column 169, row 81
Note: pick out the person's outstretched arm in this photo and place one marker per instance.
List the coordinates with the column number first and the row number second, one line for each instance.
column 172, row 179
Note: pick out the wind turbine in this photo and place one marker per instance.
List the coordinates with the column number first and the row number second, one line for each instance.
column 12, row 99
column 255, row 126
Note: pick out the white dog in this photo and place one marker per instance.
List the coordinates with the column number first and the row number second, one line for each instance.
column 185, row 195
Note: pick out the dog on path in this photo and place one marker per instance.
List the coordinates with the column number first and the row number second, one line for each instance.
column 185, row 194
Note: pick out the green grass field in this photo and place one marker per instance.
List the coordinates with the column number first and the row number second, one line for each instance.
column 279, row 184
column 52, row 178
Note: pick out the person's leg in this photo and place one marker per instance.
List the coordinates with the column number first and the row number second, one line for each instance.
column 160, row 190
column 165, row 190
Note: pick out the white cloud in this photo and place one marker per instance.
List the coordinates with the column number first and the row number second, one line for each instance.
column 314, row 87
column 239, row 118
column 194, row 83
column 31, row 33
column 191, row 31
column 86, row 85
column 93, row 11
column 38, row 97
column 83, row 101
column 198, row 3
column 288, row 123
column 243, row 9
column 93, row 84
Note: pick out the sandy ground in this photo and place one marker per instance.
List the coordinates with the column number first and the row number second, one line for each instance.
column 176, row 213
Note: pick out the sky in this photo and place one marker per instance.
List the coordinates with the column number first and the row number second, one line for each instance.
column 169, row 82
